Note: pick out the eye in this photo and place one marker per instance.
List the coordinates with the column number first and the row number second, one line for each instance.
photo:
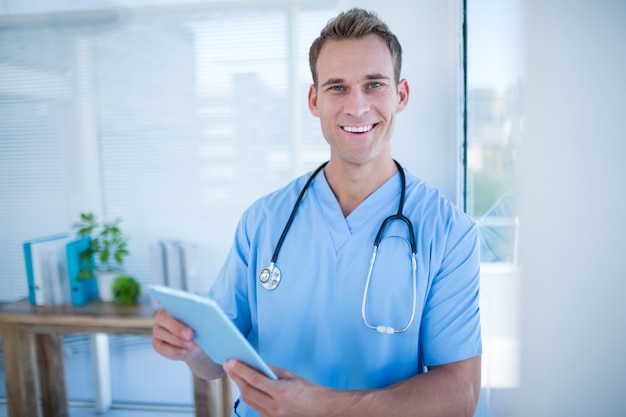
column 336, row 88
column 375, row 84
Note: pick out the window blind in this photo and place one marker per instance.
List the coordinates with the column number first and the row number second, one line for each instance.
column 173, row 120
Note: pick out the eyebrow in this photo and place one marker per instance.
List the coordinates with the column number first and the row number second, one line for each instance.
column 376, row 76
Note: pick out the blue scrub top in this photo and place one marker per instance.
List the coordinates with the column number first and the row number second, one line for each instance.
column 311, row 323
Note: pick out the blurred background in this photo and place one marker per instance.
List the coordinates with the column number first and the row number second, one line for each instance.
column 175, row 115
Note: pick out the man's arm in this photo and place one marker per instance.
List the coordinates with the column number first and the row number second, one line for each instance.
column 446, row 390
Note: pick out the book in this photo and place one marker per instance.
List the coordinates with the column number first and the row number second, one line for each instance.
column 189, row 268
column 52, row 267
column 174, row 263
column 35, row 254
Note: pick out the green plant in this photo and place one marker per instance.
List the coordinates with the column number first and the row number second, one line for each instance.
column 126, row 289
column 107, row 247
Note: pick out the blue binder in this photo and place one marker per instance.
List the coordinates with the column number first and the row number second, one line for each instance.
column 85, row 289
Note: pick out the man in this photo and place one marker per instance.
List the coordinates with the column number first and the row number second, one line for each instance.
column 347, row 338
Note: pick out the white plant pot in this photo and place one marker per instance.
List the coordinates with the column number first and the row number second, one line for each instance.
column 105, row 284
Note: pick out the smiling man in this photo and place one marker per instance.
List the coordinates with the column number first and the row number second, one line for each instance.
column 356, row 96
column 357, row 282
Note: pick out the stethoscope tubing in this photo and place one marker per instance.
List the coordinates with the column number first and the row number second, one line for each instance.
column 270, row 277
column 293, row 213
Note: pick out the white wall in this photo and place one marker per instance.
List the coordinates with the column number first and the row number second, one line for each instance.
column 574, row 224
column 426, row 138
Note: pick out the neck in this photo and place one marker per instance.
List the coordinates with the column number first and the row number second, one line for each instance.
column 352, row 183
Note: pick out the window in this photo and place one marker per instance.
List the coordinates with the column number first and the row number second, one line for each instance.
column 151, row 115
column 495, row 84
column 495, row 120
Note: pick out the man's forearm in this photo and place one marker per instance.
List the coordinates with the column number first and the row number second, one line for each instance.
column 447, row 390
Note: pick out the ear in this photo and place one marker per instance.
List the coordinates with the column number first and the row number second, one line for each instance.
column 403, row 95
column 313, row 101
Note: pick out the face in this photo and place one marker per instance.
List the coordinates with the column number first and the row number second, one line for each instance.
column 357, row 99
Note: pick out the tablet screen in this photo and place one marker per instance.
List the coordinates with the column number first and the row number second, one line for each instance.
column 214, row 332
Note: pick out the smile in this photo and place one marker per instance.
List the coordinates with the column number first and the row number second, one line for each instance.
column 358, row 129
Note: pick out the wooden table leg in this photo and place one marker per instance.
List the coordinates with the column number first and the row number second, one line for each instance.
column 212, row 398
column 19, row 371
column 201, row 396
column 227, row 401
column 51, row 375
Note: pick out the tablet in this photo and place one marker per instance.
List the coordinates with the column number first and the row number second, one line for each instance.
column 214, row 332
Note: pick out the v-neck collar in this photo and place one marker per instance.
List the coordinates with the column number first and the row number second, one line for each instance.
column 342, row 228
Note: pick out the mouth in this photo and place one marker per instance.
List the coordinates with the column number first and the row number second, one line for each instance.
column 358, row 129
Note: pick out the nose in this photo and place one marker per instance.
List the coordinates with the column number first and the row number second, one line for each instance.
column 356, row 103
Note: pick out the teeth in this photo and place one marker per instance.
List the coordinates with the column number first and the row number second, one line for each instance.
column 357, row 129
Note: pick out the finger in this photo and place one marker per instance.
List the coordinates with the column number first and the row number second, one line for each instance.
column 244, row 377
column 254, row 399
column 164, row 319
column 163, row 334
column 250, row 376
column 167, row 343
column 167, row 350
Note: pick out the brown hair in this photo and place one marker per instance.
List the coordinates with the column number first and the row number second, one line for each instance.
column 356, row 24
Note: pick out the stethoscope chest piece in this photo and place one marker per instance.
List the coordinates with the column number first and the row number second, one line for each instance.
column 270, row 277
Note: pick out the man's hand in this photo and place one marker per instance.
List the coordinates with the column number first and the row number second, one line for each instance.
column 171, row 338
column 174, row 340
column 290, row 396
column 446, row 390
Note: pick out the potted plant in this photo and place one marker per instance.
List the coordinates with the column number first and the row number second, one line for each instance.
column 126, row 290
column 104, row 256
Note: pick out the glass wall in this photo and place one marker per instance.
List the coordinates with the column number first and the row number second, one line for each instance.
column 495, row 83
column 495, row 120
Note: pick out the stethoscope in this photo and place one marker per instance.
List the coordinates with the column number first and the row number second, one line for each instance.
column 270, row 277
